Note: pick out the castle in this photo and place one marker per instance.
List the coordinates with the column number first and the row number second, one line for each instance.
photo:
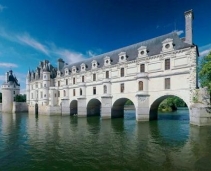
column 145, row 73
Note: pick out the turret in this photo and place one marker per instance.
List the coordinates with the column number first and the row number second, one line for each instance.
column 46, row 83
column 60, row 64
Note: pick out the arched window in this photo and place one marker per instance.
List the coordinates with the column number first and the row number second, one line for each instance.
column 105, row 89
column 64, row 92
column 140, row 86
column 80, row 91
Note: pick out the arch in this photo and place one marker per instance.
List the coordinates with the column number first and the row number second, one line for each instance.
column 73, row 107
column 118, row 107
column 94, row 107
column 153, row 114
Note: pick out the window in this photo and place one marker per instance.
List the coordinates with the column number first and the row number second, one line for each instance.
column 41, row 94
column 58, row 83
column 142, row 68
column 82, row 79
column 167, row 64
column 80, row 91
column 105, row 89
column 94, row 77
column 107, row 74
column 140, row 86
column 122, row 72
column 64, row 93
column 94, row 90
column 14, row 92
column 55, row 95
column 73, row 92
column 44, row 95
column 74, row 80
column 58, row 93
column 32, row 95
column 66, row 81
column 36, row 85
column 44, row 85
column 167, row 83
column 122, row 87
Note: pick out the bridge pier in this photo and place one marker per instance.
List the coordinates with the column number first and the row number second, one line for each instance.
column 142, row 107
column 82, row 107
column 65, row 109
column 106, row 106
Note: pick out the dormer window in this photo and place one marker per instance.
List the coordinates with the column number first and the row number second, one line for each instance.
column 66, row 71
column 167, row 45
column 142, row 51
column 74, row 69
column 107, row 61
column 58, row 73
column 94, row 64
column 83, row 67
column 122, row 57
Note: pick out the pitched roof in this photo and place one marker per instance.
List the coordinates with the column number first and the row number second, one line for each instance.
column 154, row 46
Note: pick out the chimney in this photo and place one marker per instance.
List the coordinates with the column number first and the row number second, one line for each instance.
column 188, row 26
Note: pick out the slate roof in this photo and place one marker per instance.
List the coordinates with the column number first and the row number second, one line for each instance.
column 154, row 46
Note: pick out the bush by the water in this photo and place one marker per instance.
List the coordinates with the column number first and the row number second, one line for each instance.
column 20, row 98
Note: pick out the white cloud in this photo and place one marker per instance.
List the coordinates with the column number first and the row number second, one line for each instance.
column 179, row 32
column 69, row 56
column 2, row 8
column 204, row 50
column 26, row 39
column 8, row 65
column 2, row 77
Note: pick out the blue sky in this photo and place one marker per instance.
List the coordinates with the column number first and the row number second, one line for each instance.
column 31, row 31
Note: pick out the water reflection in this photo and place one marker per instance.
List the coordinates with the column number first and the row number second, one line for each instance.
column 72, row 143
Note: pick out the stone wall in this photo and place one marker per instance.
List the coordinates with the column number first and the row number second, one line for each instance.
column 20, row 107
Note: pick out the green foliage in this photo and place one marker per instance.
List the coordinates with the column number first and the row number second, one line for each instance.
column 171, row 104
column 20, row 98
column 205, row 72
column 0, row 97
column 129, row 102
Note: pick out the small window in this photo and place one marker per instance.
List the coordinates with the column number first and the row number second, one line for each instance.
column 44, row 76
column 55, row 95
column 74, row 80
column 73, row 92
column 122, row 72
column 58, row 83
column 107, row 74
column 142, row 68
column 66, row 81
column 82, row 79
column 105, row 89
column 44, row 85
column 167, row 64
column 94, row 77
column 44, row 95
column 122, row 87
column 58, row 93
column 64, row 93
column 80, row 91
column 41, row 94
column 94, row 90
column 167, row 83
column 167, row 46
column 32, row 95
column 14, row 92
column 140, row 86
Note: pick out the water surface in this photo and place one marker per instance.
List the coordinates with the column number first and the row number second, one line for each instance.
column 92, row 144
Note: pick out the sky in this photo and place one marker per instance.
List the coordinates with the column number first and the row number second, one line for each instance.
column 32, row 31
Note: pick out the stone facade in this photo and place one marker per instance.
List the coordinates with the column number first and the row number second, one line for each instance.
column 145, row 73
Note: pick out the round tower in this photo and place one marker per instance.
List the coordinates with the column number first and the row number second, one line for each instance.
column 10, row 88
column 46, row 83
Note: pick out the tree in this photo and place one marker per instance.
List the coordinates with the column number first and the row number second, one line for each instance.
column 20, row 98
column 205, row 72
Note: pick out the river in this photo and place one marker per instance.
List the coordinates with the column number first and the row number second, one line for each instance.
column 92, row 144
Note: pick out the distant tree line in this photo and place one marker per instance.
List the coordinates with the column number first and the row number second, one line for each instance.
column 20, row 98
